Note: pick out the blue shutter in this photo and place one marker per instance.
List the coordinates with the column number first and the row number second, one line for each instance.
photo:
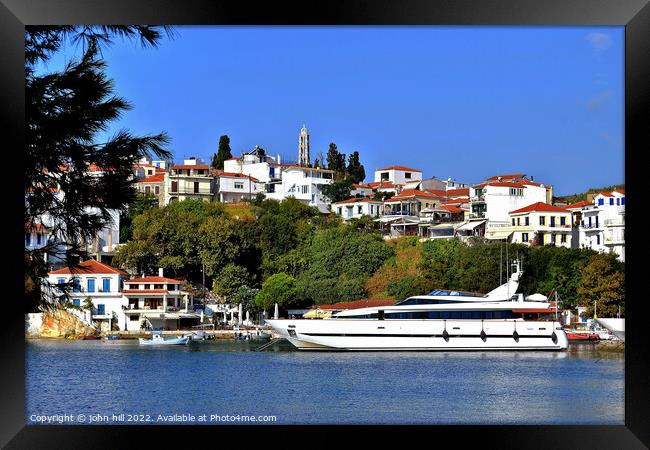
column 107, row 285
column 76, row 302
column 100, row 309
column 622, row 200
column 91, row 285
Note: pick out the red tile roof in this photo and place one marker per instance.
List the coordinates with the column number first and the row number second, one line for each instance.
column 579, row 205
column 438, row 192
column 381, row 184
column 158, row 178
column 506, row 177
column 413, row 193
column 90, row 266
column 401, row 168
column 451, row 209
column 540, row 206
column 457, row 200
column 365, row 303
column 36, row 227
column 620, row 191
column 606, row 194
column 457, row 192
column 151, row 279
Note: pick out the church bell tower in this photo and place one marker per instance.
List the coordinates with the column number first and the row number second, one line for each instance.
column 303, row 148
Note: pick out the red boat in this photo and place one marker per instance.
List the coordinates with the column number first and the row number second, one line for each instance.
column 579, row 332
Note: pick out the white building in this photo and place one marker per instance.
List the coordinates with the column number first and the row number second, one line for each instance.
column 234, row 187
column 159, row 302
column 612, row 206
column 587, row 226
column 99, row 282
column 539, row 224
column 492, row 202
column 354, row 208
column 362, row 189
column 398, row 175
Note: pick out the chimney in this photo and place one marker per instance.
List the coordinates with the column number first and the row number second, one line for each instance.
column 160, row 272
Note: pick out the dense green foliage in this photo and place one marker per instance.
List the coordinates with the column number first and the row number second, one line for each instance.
column 279, row 288
column 142, row 203
column 337, row 190
column 356, row 173
column 583, row 196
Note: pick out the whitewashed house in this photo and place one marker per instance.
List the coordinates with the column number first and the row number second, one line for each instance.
column 398, row 175
column 362, row 189
column 357, row 207
column 492, row 201
column 587, row 226
column 540, row 224
column 234, row 187
column 97, row 281
column 612, row 205
column 158, row 302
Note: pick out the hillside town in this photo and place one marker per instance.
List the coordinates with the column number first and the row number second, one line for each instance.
column 400, row 201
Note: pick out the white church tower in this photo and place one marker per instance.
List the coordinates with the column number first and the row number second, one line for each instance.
column 303, row 148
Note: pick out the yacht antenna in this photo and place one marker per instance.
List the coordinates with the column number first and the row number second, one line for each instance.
column 507, row 270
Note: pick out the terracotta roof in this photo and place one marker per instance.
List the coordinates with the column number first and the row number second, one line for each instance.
column 365, row 303
column 451, row 209
column 620, row 191
column 36, row 227
column 457, row 200
column 90, row 266
column 160, row 170
column 358, row 200
column 438, row 192
column 401, row 168
column 158, row 178
column 413, row 193
column 457, row 192
column 579, row 205
column 190, row 166
column 151, row 279
column 540, row 206
column 506, row 177
column 606, row 194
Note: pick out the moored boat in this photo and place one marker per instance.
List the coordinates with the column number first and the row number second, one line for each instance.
column 158, row 339
column 441, row 320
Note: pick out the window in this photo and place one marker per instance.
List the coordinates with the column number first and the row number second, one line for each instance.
column 39, row 239
column 147, row 189
column 553, row 238
column 601, row 201
column 590, row 221
column 91, row 285
column 618, row 201
column 106, row 285
column 76, row 302
column 542, row 220
column 28, row 239
column 596, row 222
column 622, row 200
column 76, row 285
column 101, row 310
column 562, row 220
column 174, row 186
column 239, row 185
column 518, row 221
column 338, row 210
column 552, row 221
column 383, row 176
column 517, row 191
column 359, row 209
column 598, row 239
column 513, row 221
column 407, row 175
column 563, row 237
column 200, row 171
column 524, row 237
column 157, row 190
column 196, row 187
column 611, row 201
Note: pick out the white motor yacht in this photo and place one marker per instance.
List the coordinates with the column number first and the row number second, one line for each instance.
column 441, row 320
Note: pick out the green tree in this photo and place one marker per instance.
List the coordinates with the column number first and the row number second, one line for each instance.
column 603, row 285
column 229, row 280
column 66, row 110
column 223, row 153
column 408, row 286
column 337, row 190
column 356, row 173
column 246, row 296
column 278, row 288
column 336, row 161
column 141, row 203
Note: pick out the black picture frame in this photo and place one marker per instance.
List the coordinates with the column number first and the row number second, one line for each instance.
column 634, row 15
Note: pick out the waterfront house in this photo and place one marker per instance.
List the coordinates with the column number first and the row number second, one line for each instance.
column 159, row 302
column 93, row 280
column 357, row 207
column 192, row 179
column 539, row 224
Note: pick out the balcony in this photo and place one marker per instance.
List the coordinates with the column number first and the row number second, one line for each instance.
column 614, row 239
column 477, row 198
column 618, row 222
column 478, row 215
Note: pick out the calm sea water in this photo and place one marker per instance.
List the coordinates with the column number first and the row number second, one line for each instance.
column 226, row 379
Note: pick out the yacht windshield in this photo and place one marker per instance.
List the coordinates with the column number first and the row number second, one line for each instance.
column 440, row 292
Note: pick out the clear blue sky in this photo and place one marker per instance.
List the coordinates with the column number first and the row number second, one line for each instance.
column 461, row 102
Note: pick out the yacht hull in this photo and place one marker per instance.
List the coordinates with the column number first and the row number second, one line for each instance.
column 422, row 335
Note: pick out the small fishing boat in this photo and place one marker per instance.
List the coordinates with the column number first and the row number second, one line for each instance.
column 158, row 339
column 580, row 332
column 112, row 337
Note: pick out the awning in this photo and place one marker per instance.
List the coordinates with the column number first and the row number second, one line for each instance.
column 470, row 225
column 317, row 314
column 386, row 219
column 498, row 234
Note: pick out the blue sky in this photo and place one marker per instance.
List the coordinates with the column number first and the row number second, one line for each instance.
column 461, row 102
